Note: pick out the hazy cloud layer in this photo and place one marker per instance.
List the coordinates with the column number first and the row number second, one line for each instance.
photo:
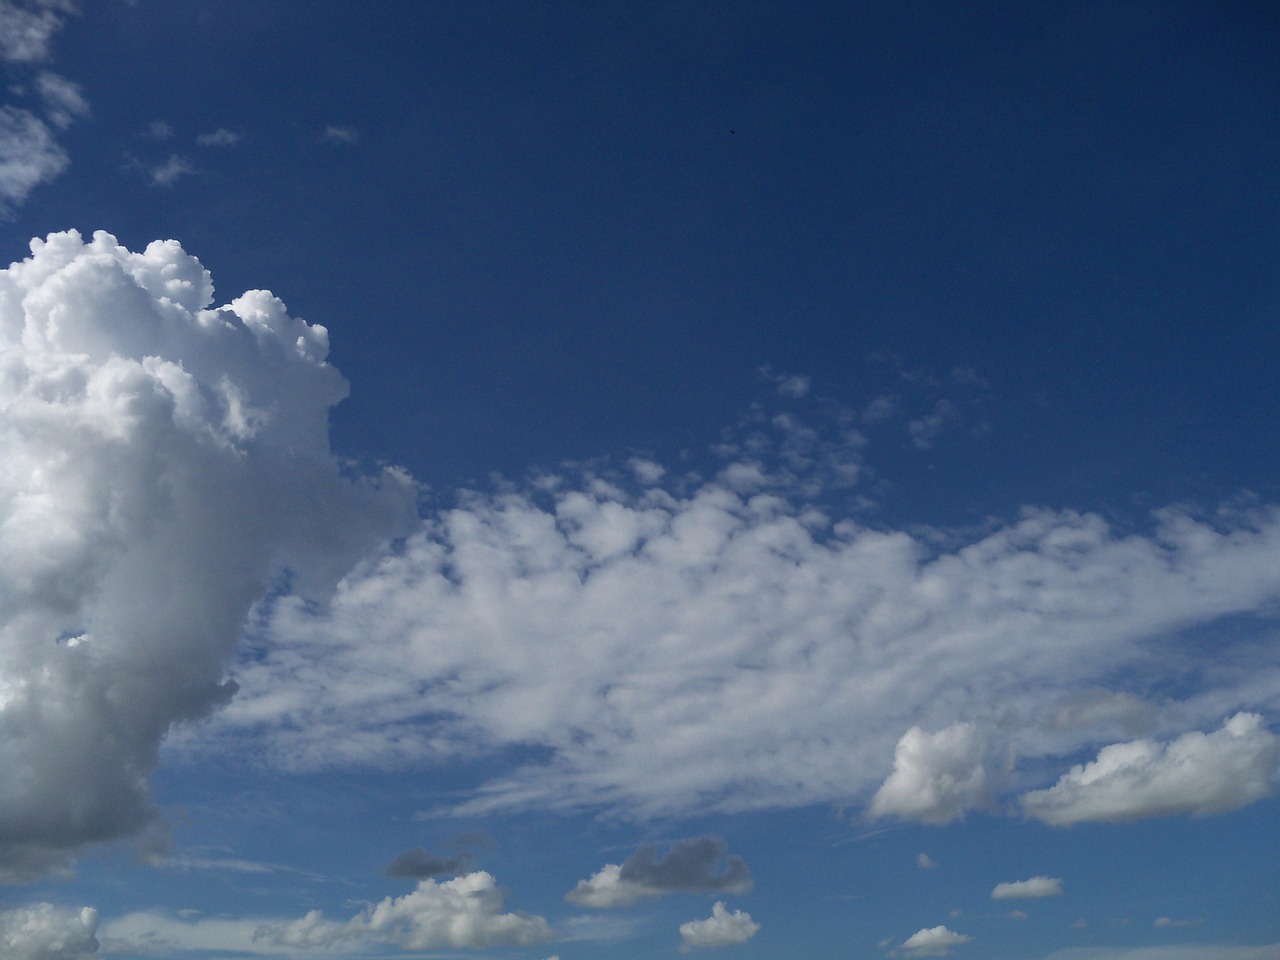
column 721, row 929
column 1024, row 889
column 161, row 464
column 1197, row 773
column 45, row 932
column 695, row 865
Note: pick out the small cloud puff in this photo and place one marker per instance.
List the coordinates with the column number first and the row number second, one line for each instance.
column 169, row 172
column 933, row 942
column 222, row 137
column 1197, row 774
column 695, row 865
column 936, row 777
column 721, row 929
column 925, row 862
column 1166, row 922
column 1026, row 889
column 335, row 134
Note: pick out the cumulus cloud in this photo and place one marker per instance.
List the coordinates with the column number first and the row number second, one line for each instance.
column 936, row 777
column 163, row 465
column 721, row 929
column 464, row 912
column 1025, row 889
column 45, row 932
column 419, row 864
column 694, row 865
column 1197, row 773
column 933, row 942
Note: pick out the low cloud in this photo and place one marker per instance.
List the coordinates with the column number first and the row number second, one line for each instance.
column 700, row 864
column 936, row 777
column 925, row 862
column 695, row 865
column 45, row 932
column 454, row 914
column 29, row 156
column 1024, row 889
column 1197, row 774
column 222, row 137
column 171, row 171
column 933, row 942
column 165, row 462
column 721, row 929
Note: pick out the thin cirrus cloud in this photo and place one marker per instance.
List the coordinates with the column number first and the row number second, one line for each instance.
column 722, row 929
column 693, row 865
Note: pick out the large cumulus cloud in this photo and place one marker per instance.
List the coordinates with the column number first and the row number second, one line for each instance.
column 162, row 464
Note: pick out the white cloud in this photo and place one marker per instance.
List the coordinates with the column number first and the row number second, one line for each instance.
column 26, row 29
column 1166, row 922
column 925, row 430
column 933, row 942
column 925, row 862
column 695, row 865
column 936, row 777
column 29, row 156
column 222, row 137
column 721, row 929
column 1024, row 889
column 161, row 462
column 159, row 130
column 173, row 169
column 1197, row 773
column 64, row 101
column 45, row 932
column 463, row 912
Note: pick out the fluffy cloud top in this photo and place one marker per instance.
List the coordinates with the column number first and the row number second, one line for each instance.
column 161, row 464
column 464, row 912
column 1197, row 773
column 936, row 777
column 933, row 942
column 695, row 865
column 1023, row 889
column 721, row 929
column 45, row 932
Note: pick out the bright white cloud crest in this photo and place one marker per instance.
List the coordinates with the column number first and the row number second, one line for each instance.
column 45, row 932
column 160, row 463
column 1026, row 889
column 722, row 929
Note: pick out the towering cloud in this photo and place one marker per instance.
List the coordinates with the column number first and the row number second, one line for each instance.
column 160, row 464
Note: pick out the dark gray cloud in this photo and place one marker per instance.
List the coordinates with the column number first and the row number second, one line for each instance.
column 692, row 865
column 418, row 864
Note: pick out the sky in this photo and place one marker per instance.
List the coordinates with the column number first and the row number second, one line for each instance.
column 554, row 481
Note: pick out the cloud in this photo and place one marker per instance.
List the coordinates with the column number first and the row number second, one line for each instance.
column 1165, row 922
column 925, row 862
column 165, row 464
column 936, row 777
column 64, row 101
column 335, row 134
column 173, row 169
column 29, row 156
column 464, row 912
column 925, row 430
column 45, row 932
column 695, row 865
column 159, row 130
column 933, row 942
column 1025, row 889
column 1195, row 952
column 222, row 137
column 26, row 29
column 1197, row 773
column 721, row 929
column 419, row 864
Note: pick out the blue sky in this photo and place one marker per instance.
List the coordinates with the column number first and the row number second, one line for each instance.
column 763, row 479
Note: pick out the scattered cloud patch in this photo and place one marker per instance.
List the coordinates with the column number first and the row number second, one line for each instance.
column 1026, row 889
column 1197, row 774
column 936, row 777
column 695, row 865
column 933, row 942
column 721, row 929
column 172, row 170
column 1167, row 922
column 924, row 431
column 26, row 29
column 159, row 130
column 222, row 137
column 336, row 134
column 29, row 156
column 64, row 101
column 925, row 862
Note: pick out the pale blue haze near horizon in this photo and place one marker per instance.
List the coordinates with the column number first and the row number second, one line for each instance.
column 769, row 479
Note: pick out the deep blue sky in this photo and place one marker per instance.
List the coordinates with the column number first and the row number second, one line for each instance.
column 546, row 238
